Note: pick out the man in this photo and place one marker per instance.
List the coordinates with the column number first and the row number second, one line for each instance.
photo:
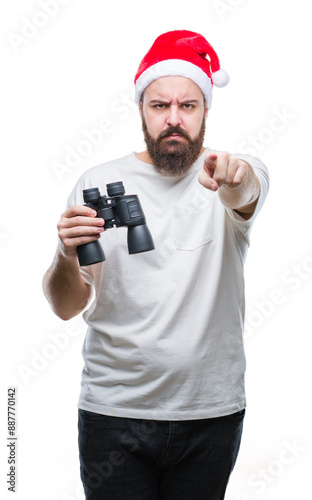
column 162, row 398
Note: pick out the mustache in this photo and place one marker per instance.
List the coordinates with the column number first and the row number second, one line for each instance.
column 174, row 130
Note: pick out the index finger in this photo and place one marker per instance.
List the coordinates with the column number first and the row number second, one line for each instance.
column 211, row 158
column 79, row 210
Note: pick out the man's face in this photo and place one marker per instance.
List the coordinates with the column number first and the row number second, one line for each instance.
column 173, row 115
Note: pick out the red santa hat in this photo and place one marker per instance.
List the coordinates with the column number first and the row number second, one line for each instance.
column 181, row 53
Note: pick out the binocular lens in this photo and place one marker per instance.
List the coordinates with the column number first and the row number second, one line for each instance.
column 139, row 239
column 90, row 253
column 115, row 189
column 91, row 195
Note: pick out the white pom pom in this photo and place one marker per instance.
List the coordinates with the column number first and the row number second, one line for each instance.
column 220, row 78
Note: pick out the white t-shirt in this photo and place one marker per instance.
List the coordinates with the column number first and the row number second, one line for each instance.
column 165, row 329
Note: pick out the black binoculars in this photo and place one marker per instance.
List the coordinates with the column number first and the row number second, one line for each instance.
column 117, row 209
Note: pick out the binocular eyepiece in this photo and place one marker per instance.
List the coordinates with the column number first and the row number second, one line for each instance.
column 117, row 209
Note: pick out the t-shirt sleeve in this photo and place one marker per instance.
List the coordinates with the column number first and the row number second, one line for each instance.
column 244, row 226
column 76, row 198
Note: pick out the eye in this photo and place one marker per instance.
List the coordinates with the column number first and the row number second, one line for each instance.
column 159, row 106
column 188, row 106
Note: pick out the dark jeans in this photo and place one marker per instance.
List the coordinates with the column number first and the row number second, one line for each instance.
column 124, row 458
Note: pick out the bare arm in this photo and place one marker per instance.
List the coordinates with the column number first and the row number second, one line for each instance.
column 63, row 286
column 234, row 179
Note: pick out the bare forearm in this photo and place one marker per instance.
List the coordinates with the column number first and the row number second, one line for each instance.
column 64, row 287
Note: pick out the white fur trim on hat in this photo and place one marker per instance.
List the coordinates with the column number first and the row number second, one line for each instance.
column 174, row 67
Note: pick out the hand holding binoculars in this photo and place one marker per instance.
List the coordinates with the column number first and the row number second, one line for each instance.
column 117, row 209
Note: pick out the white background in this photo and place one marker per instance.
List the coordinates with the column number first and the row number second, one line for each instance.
column 60, row 81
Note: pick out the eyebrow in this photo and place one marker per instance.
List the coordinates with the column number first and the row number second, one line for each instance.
column 161, row 101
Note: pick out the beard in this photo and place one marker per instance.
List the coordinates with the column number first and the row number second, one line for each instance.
column 173, row 157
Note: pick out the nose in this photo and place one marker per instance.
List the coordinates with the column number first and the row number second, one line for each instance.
column 173, row 118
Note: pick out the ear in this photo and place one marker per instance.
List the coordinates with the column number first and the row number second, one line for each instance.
column 141, row 105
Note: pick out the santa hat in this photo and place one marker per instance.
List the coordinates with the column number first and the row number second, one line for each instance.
column 181, row 53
